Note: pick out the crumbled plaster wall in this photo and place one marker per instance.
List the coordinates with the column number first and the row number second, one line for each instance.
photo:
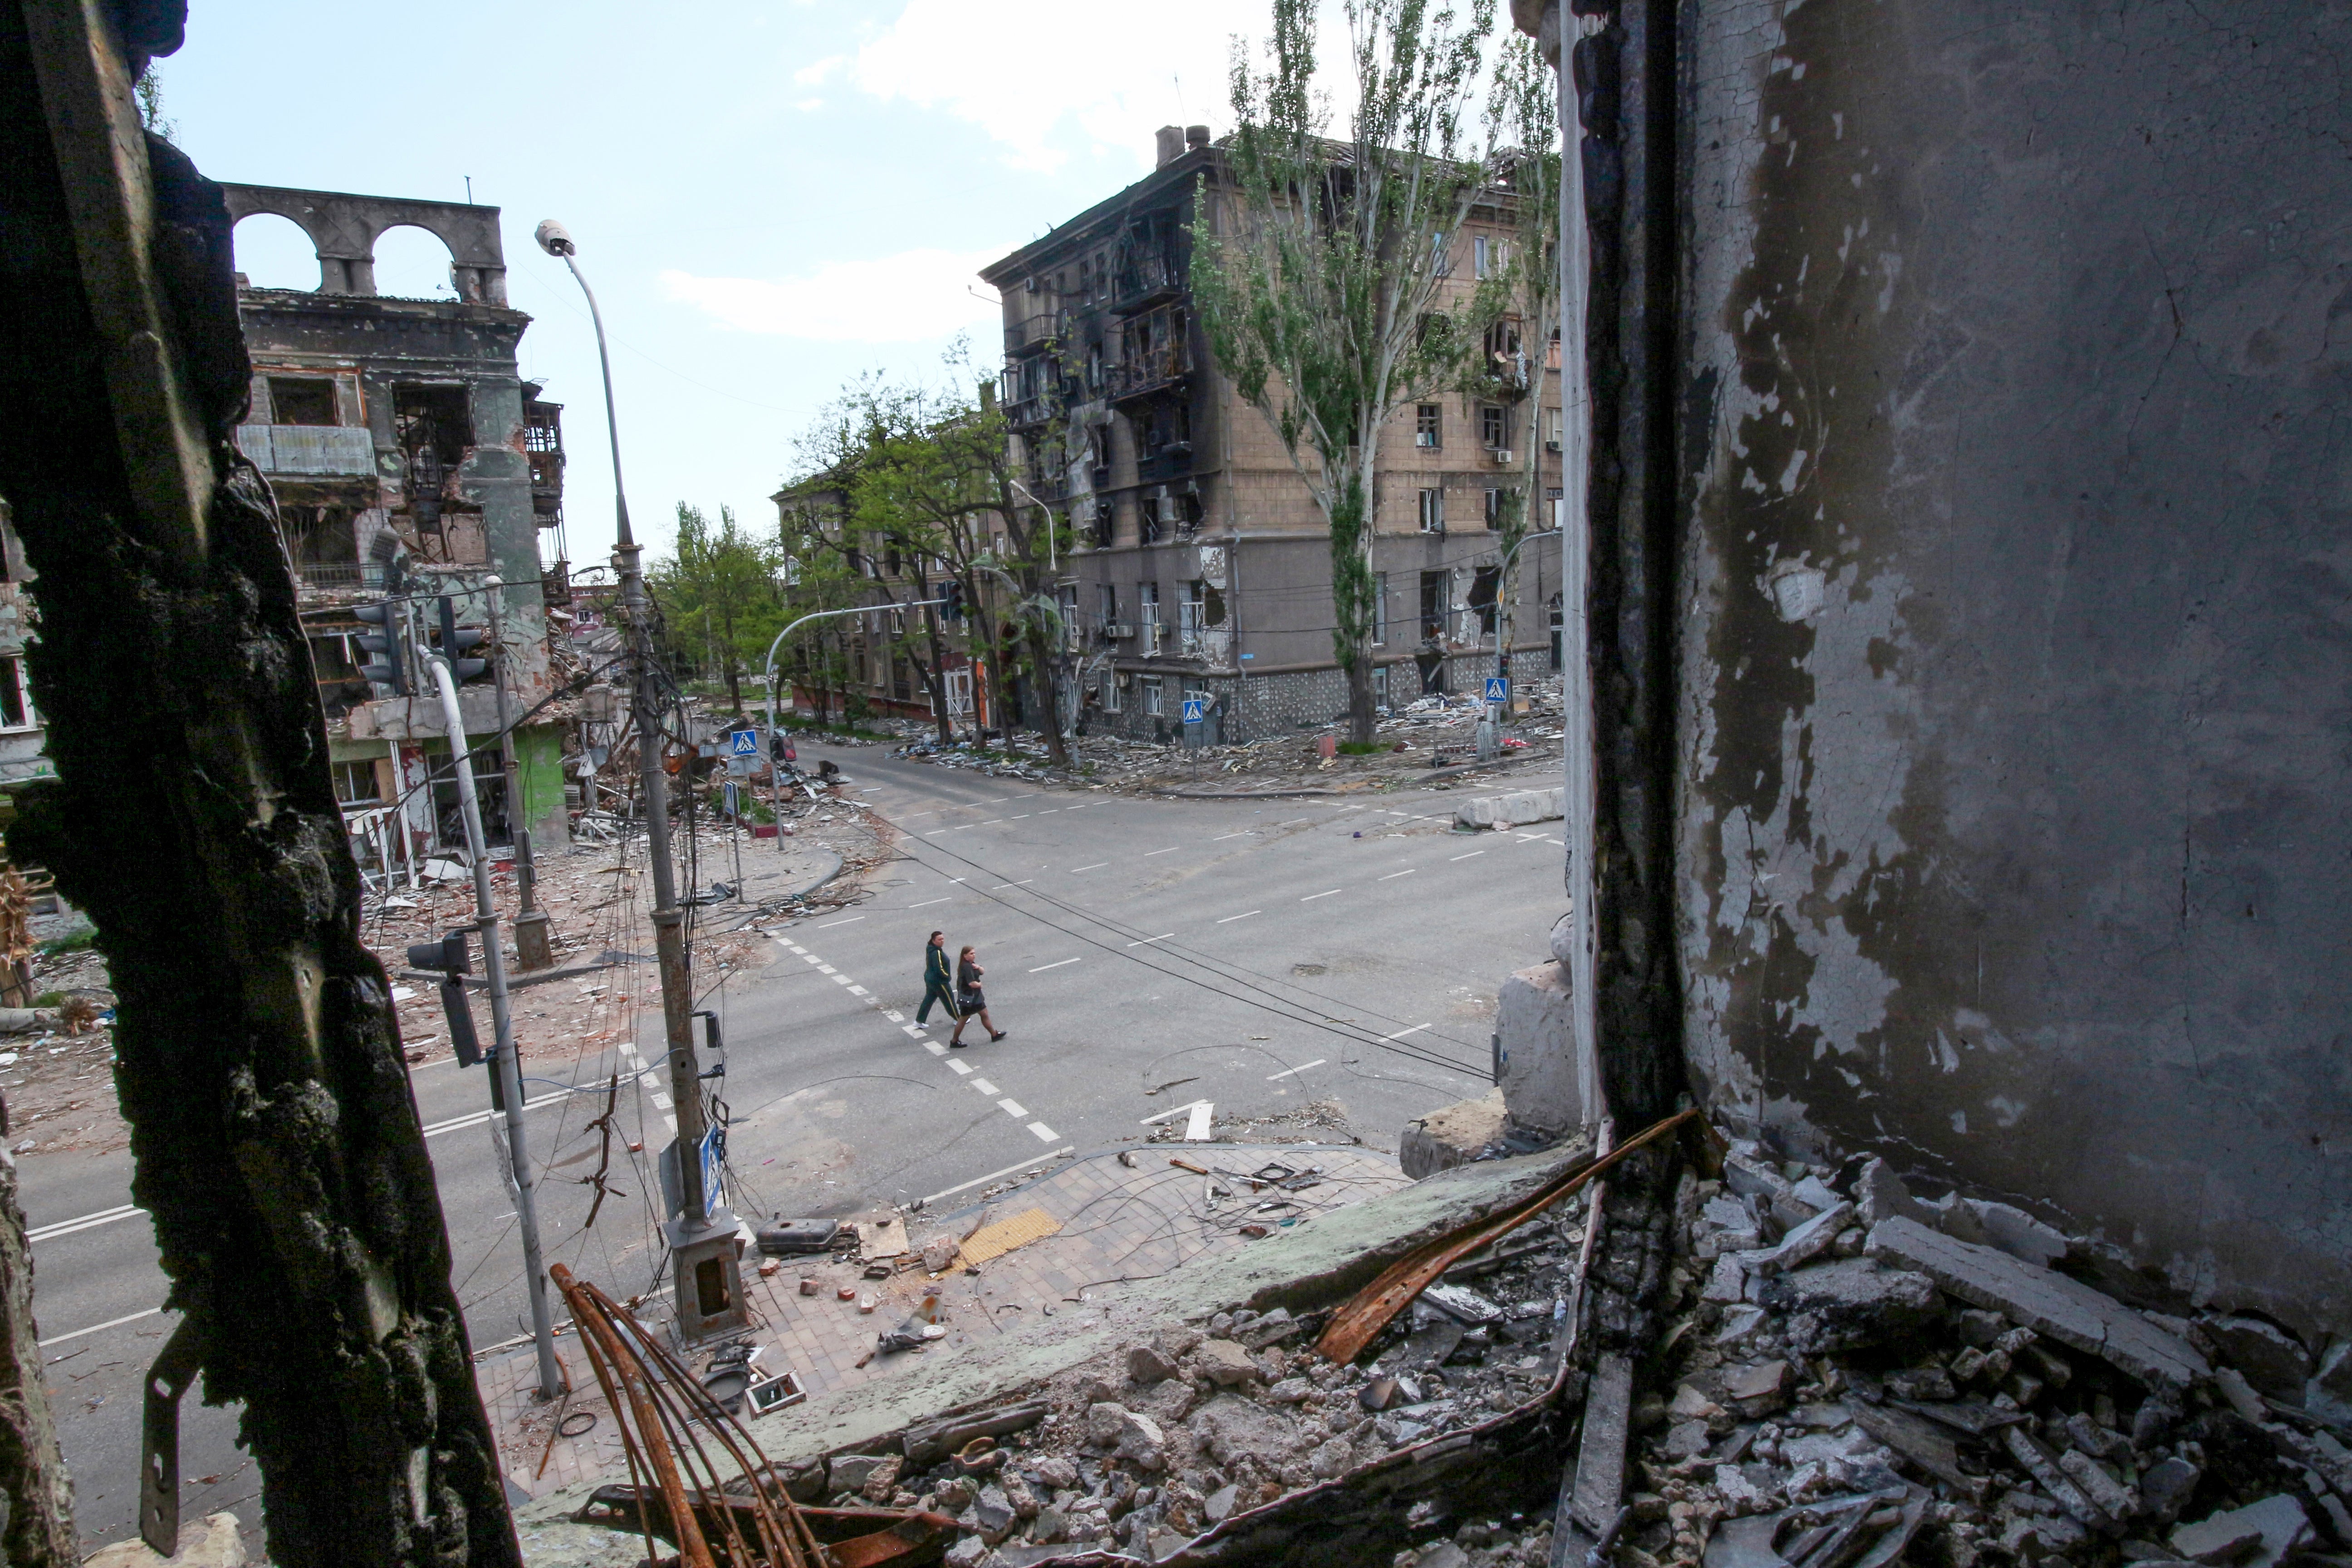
column 2014, row 660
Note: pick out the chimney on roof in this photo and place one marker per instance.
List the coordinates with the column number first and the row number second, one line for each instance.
column 1195, row 137
column 1171, row 145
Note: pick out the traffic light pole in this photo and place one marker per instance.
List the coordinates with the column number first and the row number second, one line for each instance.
column 502, row 1051
column 775, row 779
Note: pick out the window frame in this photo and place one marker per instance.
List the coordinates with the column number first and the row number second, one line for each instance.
column 1429, row 426
column 1432, row 500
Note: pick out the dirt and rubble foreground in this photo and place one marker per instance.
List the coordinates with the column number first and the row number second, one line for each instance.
column 1836, row 1375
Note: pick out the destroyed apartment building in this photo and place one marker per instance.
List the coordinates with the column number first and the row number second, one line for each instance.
column 410, row 459
column 1201, row 567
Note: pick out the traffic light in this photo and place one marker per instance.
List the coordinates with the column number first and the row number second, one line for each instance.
column 952, row 593
column 447, row 959
column 387, row 663
column 456, row 643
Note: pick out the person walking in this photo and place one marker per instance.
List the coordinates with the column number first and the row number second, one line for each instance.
column 970, row 1000
column 937, row 976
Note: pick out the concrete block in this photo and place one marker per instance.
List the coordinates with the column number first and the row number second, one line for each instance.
column 1517, row 809
column 1535, row 1065
column 2019, row 1234
column 2047, row 1302
column 1451, row 1137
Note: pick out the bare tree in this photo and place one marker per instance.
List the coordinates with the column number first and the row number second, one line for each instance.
column 1318, row 280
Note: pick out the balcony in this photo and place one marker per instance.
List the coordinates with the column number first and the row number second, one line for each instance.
column 1150, row 372
column 1143, row 278
column 1038, row 331
column 339, row 576
column 1174, row 461
column 325, row 449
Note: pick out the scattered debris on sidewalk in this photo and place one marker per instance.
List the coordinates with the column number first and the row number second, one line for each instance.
column 1802, row 1366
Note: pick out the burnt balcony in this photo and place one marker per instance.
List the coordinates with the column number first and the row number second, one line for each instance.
column 1172, row 461
column 1039, row 331
column 1148, row 372
column 1144, row 279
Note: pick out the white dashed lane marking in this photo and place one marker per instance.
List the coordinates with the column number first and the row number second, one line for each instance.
column 1012, row 1108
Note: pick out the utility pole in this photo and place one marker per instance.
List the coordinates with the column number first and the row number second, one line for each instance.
column 506, row 1079
column 706, row 1249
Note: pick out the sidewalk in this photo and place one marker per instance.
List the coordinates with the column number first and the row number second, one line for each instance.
column 1116, row 1224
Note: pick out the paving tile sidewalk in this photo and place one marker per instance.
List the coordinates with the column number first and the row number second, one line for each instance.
column 1118, row 1223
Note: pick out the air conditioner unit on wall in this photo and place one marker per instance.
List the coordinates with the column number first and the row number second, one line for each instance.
column 1504, row 458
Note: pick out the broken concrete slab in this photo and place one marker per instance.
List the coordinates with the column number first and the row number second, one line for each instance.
column 2255, row 1536
column 2042, row 1299
column 1453, row 1136
column 1925, row 1444
column 1879, row 1194
column 1517, row 810
column 1801, row 1245
column 2271, row 1359
column 2017, row 1233
column 1852, row 1302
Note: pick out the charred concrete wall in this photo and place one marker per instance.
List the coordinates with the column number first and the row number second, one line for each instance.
column 2014, row 661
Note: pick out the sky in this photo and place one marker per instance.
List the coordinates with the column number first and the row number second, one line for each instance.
column 769, row 198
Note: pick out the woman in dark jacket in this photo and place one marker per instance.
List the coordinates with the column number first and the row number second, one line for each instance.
column 970, row 1000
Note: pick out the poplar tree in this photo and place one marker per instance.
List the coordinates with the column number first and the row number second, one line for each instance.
column 1318, row 264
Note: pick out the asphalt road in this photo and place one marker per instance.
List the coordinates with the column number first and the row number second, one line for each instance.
column 1141, row 954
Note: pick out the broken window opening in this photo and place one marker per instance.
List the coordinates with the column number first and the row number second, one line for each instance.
column 17, row 711
column 1429, row 425
column 1491, row 428
column 1484, row 585
column 302, row 400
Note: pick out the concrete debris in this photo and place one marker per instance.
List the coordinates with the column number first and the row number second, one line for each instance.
column 1803, row 1393
column 2046, row 1302
column 1984, row 1408
column 2255, row 1536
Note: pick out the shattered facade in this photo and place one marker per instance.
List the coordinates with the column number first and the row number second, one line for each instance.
column 1201, row 566
column 400, row 430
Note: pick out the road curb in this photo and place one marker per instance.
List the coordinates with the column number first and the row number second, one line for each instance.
column 1451, row 769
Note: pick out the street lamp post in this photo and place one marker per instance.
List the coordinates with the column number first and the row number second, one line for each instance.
column 705, row 1249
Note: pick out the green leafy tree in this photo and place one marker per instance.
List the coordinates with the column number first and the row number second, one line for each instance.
column 930, row 476
column 1522, row 115
column 1318, row 281
column 717, row 594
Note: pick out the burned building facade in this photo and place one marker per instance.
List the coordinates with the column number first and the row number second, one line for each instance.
column 1202, row 566
column 406, row 451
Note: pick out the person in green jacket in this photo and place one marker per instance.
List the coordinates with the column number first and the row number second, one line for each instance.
column 938, row 977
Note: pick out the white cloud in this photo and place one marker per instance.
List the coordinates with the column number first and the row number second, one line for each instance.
column 817, row 74
column 1047, row 77
column 912, row 297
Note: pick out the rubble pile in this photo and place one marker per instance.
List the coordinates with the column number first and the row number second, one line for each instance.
column 1856, row 1378
column 1170, row 1435
column 1429, row 732
column 56, row 1067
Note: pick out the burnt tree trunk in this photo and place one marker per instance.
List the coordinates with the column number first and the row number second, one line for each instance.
column 277, row 1142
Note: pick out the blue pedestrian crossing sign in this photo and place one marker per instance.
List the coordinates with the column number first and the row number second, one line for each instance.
column 743, row 743
column 1499, row 689
column 1196, row 710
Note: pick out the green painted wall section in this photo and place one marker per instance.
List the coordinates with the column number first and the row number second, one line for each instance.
column 539, row 766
